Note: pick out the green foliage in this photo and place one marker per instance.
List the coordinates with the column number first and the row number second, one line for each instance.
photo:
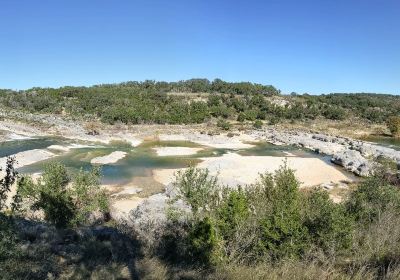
column 50, row 194
column 8, row 238
column 203, row 242
column 241, row 117
column 328, row 224
column 372, row 198
column 224, row 124
column 232, row 211
column 87, row 195
column 393, row 124
column 272, row 219
column 158, row 102
column 258, row 124
column 7, row 181
column 334, row 113
column 196, row 187
column 63, row 202
column 282, row 231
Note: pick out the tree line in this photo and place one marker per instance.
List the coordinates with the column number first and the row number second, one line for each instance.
column 159, row 102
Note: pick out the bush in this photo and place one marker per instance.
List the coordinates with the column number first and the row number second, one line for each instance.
column 203, row 242
column 282, row 232
column 328, row 224
column 232, row 211
column 258, row 124
column 274, row 120
column 64, row 205
column 241, row 117
column 372, row 198
column 334, row 113
column 224, row 124
column 271, row 222
column 197, row 188
column 393, row 124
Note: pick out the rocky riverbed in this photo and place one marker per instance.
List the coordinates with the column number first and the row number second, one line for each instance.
column 356, row 156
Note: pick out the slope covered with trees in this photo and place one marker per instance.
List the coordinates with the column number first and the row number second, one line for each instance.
column 197, row 101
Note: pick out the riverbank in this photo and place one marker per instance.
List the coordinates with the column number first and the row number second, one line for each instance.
column 354, row 155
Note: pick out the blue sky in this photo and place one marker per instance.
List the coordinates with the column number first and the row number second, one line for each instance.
column 318, row 46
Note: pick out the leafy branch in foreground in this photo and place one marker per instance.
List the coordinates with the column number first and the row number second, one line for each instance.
column 7, row 181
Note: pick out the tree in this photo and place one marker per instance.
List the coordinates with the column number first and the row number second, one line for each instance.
column 393, row 124
column 282, row 231
column 329, row 226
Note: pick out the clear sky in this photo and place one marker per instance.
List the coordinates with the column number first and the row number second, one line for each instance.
column 317, row 46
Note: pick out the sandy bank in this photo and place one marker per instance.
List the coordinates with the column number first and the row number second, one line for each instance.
column 29, row 157
column 18, row 131
column 68, row 129
column 235, row 169
column 176, row 151
column 215, row 141
column 110, row 158
column 120, row 209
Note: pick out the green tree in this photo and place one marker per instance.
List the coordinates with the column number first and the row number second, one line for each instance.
column 282, row 231
column 204, row 242
column 393, row 124
column 231, row 212
column 373, row 197
column 328, row 224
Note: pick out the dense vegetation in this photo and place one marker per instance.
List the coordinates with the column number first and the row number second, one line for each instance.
column 268, row 230
column 393, row 124
column 196, row 101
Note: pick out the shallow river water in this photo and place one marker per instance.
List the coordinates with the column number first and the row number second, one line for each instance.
column 140, row 161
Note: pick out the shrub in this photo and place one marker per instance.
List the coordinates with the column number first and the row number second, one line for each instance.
column 258, row 124
column 393, row 124
column 251, row 115
column 274, row 120
column 224, row 124
column 203, row 242
column 8, row 239
column 64, row 204
column 334, row 113
column 241, row 117
column 372, row 198
column 232, row 211
column 282, row 232
column 197, row 188
column 328, row 224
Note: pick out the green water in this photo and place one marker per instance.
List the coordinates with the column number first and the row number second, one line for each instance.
column 140, row 161
column 12, row 147
column 386, row 141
